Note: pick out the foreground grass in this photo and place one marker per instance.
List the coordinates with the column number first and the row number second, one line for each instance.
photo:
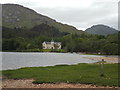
column 81, row 73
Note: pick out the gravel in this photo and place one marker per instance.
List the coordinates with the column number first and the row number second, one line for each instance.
column 27, row 83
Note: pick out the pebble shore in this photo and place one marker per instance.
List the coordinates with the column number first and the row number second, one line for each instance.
column 27, row 83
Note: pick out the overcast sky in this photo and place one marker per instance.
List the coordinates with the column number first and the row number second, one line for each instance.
column 80, row 13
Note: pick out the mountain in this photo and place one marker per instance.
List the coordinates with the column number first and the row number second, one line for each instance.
column 17, row 16
column 101, row 30
column 36, row 31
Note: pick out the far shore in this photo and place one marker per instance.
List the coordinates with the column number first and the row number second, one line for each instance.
column 57, row 51
column 106, row 59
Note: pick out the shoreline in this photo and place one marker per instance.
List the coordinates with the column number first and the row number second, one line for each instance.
column 109, row 60
column 27, row 83
column 83, row 53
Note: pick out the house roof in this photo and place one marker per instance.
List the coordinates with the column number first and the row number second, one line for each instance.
column 47, row 42
column 54, row 42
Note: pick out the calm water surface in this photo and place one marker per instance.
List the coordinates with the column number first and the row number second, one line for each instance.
column 14, row 60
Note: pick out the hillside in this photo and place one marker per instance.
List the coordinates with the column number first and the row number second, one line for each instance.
column 36, row 31
column 17, row 16
column 101, row 30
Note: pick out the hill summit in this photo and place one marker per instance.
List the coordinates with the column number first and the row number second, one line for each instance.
column 101, row 30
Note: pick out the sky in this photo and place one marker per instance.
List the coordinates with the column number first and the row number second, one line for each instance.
column 79, row 13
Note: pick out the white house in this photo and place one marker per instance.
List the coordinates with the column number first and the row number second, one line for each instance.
column 51, row 45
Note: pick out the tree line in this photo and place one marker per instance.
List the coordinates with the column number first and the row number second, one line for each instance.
column 25, row 39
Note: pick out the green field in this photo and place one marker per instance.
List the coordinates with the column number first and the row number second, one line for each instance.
column 80, row 73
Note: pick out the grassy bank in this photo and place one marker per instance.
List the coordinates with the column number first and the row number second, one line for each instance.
column 39, row 50
column 80, row 73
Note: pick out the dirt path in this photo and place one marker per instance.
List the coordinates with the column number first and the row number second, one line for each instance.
column 27, row 83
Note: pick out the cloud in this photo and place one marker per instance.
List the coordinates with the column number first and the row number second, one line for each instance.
column 82, row 18
column 79, row 13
